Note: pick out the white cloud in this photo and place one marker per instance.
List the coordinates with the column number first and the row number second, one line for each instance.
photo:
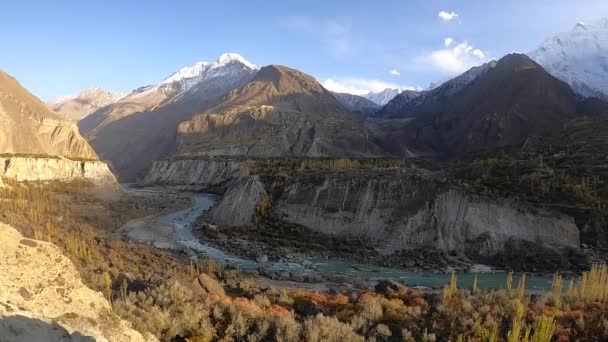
column 447, row 16
column 453, row 59
column 448, row 41
column 395, row 72
column 360, row 86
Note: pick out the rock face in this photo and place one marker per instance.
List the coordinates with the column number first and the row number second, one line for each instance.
column 43, row 299
column 239, row 204
column 398, row 210
column 280, row 112
column 28, row 126
column 207, row 173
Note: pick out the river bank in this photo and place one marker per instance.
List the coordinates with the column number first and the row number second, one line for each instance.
column 173, row 229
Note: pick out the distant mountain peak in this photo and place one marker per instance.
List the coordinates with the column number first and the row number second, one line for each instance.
column 229, row 57
column 189, row 76
column 79, row 105
column 383, row 97
column 579, row 57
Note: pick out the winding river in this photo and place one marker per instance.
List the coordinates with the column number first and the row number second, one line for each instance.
column 174, row 231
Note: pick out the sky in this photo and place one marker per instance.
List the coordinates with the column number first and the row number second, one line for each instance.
column 61, row 47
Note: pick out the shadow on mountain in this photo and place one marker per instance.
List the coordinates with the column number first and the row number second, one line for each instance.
column 21, row 328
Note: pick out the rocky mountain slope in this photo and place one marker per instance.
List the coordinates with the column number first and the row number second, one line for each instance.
column 280, row 112
column 579, row 57
column 142, row 126
column 410, row 103
column 505, row 104
column 43, row 299
column 76, row 107
column 28, row 126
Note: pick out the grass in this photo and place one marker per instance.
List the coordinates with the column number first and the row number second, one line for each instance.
column 291, row 165
column 44, row 156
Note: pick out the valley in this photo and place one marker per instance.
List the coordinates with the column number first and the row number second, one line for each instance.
column 176, row 231
column 231, row 201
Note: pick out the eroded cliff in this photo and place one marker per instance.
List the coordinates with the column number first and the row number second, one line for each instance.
column 35, row 169
column 398, row 209
column 207, row 173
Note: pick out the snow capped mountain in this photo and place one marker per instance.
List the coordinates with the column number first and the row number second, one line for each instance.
column 579, row 57
column 226, row 65
column 383, row 97
column 150, row 114
column 356, row 103
column 79, row 105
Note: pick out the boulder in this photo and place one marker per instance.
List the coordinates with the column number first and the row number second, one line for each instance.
column 209, row 285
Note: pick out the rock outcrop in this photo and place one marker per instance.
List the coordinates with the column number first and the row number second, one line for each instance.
column 29, row 169
column 208, row 173
column 239, row 204
column 43, row 299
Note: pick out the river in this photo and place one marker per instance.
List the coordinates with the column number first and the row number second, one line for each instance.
column 174, row 231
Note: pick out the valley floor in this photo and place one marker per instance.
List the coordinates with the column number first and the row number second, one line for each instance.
column 177, row 297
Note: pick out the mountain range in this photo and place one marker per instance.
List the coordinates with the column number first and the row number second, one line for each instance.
column 142, row 126
column 231, row 107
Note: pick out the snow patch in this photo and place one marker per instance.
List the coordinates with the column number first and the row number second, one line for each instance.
column 190, row 76
column 578, row 57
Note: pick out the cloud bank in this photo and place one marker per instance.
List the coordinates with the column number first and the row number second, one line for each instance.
column 447, row 16
column 454, row 58
column 361, row 86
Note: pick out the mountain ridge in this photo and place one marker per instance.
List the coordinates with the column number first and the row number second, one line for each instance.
column 77, row 106
column 142, row 126
column 30, row 127
column 280, row 112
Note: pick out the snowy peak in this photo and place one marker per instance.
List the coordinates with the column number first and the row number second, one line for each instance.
column 225, row 65
column 228, row 58
column 383, row 97
column 579, row 57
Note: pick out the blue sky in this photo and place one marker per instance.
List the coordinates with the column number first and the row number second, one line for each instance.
column 59, row 47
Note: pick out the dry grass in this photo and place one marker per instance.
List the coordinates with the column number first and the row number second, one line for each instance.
column 155, row 290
